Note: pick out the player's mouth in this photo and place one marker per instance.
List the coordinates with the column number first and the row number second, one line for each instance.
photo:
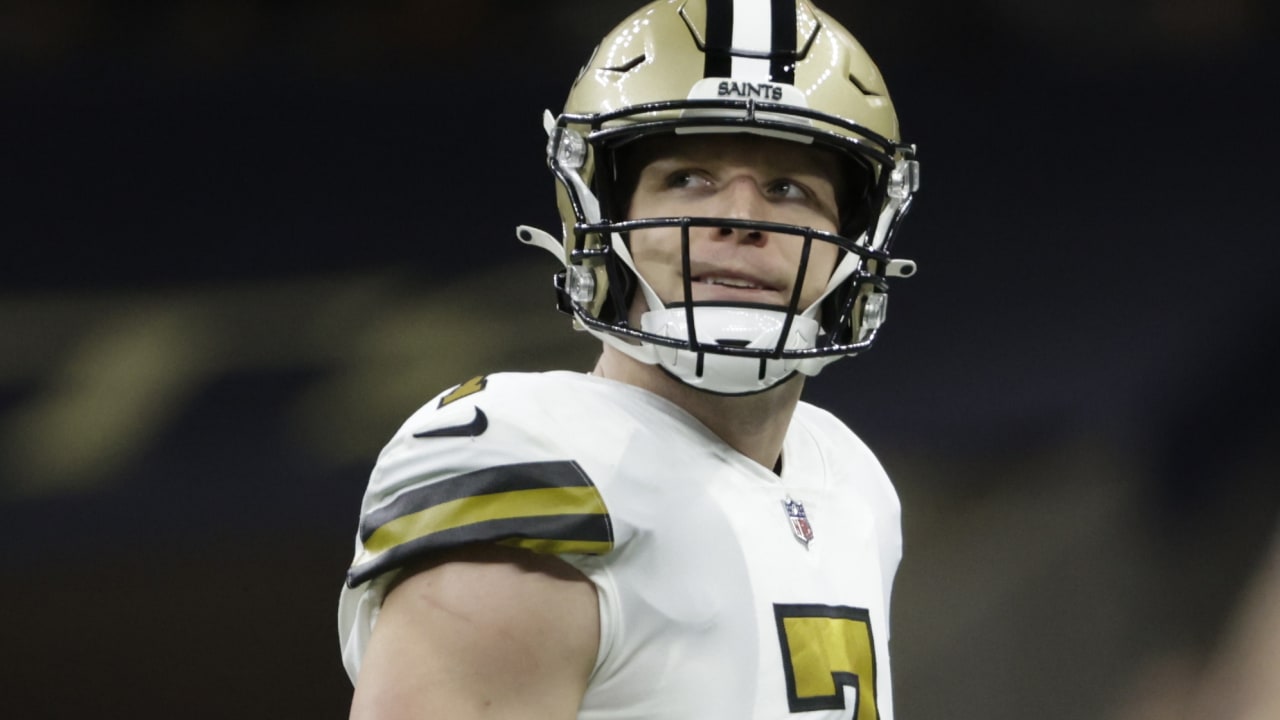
column 731, row 287
column 729, row 282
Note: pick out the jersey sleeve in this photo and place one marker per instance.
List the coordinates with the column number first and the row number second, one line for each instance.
column 481, row 466
column 483, row 469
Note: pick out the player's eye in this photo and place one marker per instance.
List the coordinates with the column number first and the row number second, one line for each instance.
column 685, row 178
column 788, row 189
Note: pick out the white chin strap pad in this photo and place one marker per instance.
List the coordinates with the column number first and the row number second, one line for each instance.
column 757, row 328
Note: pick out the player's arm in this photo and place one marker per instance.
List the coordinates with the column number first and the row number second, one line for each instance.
column 482, row 631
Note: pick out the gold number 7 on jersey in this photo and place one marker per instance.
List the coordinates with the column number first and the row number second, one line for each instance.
column 825, row 649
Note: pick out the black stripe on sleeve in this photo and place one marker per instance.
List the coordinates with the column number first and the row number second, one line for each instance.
column 568, row 530
column 503, row 478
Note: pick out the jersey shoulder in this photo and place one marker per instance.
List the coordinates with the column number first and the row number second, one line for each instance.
column 486, row 461
column 830, row 431
column 846, row 455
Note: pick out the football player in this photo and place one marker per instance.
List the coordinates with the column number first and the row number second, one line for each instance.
column 675, row 534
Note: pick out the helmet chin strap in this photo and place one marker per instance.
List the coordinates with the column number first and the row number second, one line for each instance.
column 748, row 327
column 538, row 238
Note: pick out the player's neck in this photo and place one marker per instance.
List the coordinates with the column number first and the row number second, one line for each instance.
column 754, row 425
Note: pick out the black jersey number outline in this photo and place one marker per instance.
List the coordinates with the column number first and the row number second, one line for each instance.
column 825, row 649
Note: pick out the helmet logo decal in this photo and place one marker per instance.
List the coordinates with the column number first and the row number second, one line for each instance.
column 764, row 91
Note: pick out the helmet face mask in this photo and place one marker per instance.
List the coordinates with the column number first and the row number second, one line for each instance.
column 649, row 80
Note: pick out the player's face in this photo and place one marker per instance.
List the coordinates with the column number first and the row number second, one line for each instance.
column 741, row 177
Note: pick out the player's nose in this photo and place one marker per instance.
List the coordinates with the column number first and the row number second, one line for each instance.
column 742, row 199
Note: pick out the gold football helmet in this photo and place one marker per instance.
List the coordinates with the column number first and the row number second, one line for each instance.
column 777, row 68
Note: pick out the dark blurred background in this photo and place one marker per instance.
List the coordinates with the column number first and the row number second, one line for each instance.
column 242, row 240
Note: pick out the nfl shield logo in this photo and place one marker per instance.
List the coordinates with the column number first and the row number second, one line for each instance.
column 800, row 526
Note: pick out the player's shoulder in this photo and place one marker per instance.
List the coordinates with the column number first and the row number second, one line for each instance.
column 508, row 393
column 504, row 424
column 829, row 430
column 844, row 452
column 484, row 461
column 512, row 413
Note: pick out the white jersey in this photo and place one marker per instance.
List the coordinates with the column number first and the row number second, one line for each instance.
column 726, row 591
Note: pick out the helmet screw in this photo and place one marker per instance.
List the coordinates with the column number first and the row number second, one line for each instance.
column 905, row 179
column 567, row 148
column 873, row 312
column 582, row 284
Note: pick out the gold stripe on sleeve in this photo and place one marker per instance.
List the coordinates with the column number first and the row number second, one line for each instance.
column 481, row 508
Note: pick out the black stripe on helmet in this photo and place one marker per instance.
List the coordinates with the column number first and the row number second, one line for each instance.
column 719, row 60
column 782, row 63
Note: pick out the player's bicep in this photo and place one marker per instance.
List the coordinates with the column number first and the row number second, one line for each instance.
column 485, row 630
